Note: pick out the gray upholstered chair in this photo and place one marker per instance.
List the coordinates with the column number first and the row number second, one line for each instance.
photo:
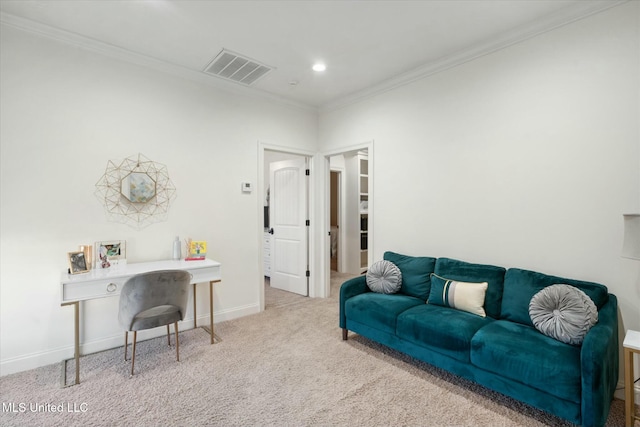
column 153, row 299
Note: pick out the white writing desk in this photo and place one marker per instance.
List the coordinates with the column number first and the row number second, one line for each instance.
column 108, row 282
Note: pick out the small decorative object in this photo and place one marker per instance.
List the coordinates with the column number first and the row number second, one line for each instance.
column 110, row 253
column 77, row 263
column 136, row 191
column 88, row 255
column 177, row 252
column 104, row 262
column 197, row 250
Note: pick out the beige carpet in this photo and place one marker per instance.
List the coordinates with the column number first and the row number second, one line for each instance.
column 286, row 366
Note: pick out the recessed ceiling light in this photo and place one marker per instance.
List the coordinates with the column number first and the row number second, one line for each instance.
column 319, row 67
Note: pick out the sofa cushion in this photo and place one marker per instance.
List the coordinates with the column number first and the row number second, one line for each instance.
column 523, row 354
column 443, row 329
column 379, row 311
column 521, row 285
column 563, row 312
column 416, row 271
column 465, row 296
column 384, row 277
column 476, row 273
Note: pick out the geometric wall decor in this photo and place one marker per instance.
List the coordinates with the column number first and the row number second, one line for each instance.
column 136, row 191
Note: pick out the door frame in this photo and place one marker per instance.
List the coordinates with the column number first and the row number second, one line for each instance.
column 262, row 147
column 325, row 217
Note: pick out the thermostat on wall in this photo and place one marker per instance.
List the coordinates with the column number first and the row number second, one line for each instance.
column 247, row 187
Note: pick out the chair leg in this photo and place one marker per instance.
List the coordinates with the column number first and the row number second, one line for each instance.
column 126, row 344
column 175, row 328
column 133, row 357
column 168, row 336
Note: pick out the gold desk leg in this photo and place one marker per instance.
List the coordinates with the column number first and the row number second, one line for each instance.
column 195, row 316
column 629, row 402
column 211, row 310
column 76, row 353
column 209, row 328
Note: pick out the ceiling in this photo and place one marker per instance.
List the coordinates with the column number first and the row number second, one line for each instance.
column 367, row 46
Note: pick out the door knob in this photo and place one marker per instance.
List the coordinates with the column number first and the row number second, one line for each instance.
column 271, row 231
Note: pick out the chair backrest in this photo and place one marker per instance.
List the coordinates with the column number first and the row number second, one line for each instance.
column 147, row 290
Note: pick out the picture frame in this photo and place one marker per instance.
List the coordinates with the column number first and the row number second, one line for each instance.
column 196, row 250
column 110, row 253
column 77, row 262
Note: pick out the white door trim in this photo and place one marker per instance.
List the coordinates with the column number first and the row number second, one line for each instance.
column 325, row 226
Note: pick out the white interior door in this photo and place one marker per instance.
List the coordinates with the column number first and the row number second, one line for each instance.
column 288, row 213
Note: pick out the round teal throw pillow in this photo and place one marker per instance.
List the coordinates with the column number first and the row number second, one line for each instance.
column 563, row 312
column 384, row 277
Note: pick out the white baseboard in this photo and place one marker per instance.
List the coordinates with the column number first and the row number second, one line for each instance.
column 57, row 355
column 619, row 394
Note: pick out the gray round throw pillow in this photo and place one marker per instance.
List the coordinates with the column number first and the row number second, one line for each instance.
column 563, row 312
column 384, row 277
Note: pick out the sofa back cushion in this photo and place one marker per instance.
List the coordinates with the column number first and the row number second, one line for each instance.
column 416, row 273
column 521, row 285
column 462, row 271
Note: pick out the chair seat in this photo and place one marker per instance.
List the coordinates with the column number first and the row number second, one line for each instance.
column 156, row 316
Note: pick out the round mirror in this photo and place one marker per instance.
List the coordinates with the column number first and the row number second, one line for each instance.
column 138, row 187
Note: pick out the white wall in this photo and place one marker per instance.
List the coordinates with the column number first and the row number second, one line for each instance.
column 65, row 112
column 526, row 157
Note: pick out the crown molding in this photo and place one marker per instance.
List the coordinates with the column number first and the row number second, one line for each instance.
column 566, row 16
column 125, row 55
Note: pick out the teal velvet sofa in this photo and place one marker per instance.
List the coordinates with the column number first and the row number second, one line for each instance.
column 502, row 351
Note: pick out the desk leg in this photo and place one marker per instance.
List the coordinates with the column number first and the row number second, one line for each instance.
column 629, row 402
column 209, row 328
column 195, row 314
column 211, row 311
column 76, row 353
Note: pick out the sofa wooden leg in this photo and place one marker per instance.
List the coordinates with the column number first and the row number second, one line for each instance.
column 345, row 333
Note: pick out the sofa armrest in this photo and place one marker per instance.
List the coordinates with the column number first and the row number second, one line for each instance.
column 351, row 288
column 599, row 358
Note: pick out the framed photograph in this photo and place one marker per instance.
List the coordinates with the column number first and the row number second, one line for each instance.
column 77, row 263
column 110, row 253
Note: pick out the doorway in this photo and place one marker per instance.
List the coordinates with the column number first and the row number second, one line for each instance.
column 349, row 186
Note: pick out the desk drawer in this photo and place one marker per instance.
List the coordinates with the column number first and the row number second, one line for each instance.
column 207, row 274
column 94, row 289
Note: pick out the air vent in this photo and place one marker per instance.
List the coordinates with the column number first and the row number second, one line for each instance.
column 237, row 68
